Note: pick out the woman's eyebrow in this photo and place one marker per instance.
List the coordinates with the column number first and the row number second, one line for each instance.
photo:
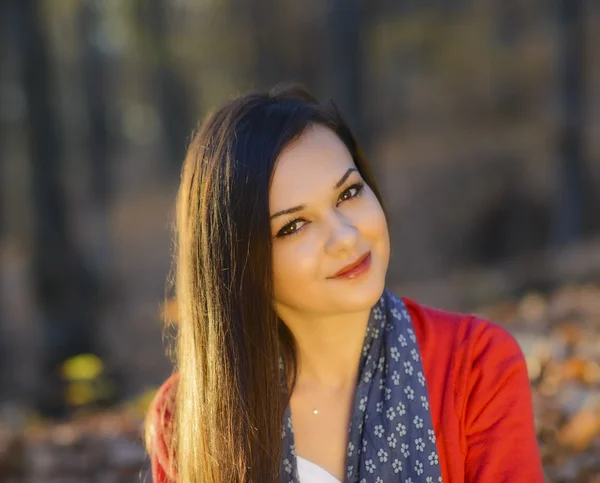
column 344, row 178
column 301, row 207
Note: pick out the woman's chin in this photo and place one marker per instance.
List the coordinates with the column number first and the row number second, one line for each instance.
column 353, row 296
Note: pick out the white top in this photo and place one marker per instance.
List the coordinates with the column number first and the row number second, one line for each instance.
column 310, row 472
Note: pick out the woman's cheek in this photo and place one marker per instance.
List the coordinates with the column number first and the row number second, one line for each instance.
column 295, row 269
column 293, row 258
column 370, row 219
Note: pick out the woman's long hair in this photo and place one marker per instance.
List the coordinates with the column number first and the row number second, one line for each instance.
column 230, row 397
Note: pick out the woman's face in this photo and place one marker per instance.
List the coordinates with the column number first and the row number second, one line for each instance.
column 332, row 225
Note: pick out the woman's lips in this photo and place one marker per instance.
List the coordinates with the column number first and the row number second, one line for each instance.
column 358, row 270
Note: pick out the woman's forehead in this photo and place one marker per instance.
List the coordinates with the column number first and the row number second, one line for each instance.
column 317, row 159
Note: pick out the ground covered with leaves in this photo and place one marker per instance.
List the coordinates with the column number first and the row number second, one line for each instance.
column 560, row 337
column 558, row 332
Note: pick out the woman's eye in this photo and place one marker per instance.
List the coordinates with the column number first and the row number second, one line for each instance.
column 352, row 191
column 290, row 229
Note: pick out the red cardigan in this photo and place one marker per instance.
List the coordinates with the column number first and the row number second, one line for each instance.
column 480, row 401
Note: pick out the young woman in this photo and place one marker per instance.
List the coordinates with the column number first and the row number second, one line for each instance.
column 295, row 363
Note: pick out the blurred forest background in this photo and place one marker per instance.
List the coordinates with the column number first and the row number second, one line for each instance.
column 482, row 122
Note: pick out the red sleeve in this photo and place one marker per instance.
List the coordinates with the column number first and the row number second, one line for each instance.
column 501, row 445
column 159, row 427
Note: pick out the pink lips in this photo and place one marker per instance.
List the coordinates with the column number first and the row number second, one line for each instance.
column 355, row 270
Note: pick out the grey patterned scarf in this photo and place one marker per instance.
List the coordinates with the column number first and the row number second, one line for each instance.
column 391, row 436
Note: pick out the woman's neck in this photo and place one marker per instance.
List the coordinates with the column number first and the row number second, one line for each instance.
column 328, row 347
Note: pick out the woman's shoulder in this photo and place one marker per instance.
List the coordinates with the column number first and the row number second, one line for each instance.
column 162, row 408
column 475, row 356
column 458, row 332
column 481, row 391
column 159, row 427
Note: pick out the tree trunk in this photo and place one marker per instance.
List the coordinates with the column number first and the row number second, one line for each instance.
column 63, row 288
column 173, row 102
column 93, row 69
column 573, row 179
column 346, row 63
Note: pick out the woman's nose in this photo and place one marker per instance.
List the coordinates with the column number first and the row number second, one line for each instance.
column 342, row 234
